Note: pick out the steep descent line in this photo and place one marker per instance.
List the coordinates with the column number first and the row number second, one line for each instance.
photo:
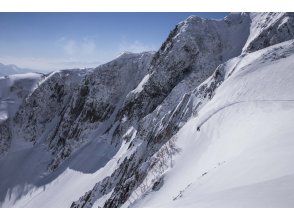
column 235, row 103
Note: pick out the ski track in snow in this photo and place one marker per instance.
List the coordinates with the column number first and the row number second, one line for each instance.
column 235, row 103
column 239, row 151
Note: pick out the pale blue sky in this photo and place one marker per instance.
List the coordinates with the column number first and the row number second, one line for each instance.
column 49, row 41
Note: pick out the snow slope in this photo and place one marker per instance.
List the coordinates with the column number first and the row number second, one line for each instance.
column 242, row 154
column 206, row 121
column 32, row 184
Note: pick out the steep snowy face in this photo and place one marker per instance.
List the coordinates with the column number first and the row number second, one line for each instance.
column 69, row 104
column 153, row 107
column 124, row 126
column 237, row 151
column 195, row 46
column 46, row 103
column 268, row 29
column 95, row 105
column 158, row 107
column 190, row 54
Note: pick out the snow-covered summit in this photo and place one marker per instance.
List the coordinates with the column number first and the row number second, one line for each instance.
column 204, row 119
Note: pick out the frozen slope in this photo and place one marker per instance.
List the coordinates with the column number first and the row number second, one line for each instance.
column 32, row 184
column 104, row 137
column 242, row 155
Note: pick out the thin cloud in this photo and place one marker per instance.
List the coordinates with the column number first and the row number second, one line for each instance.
column 77, row 54
column 76, row 48
column 88, row 46
column 70, row 47
column 47, row 65
column 135, row 46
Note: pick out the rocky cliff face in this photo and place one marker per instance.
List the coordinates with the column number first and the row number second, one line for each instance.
column 5, row 136
column 268, row 29
column 163, row 103
column 96, row 102
column 45, row 103
column 138, row 102
column 69, row 104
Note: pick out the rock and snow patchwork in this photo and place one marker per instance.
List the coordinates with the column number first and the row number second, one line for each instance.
column 240, row 156
column 267, row 29
column 226, row 167
column 206, row 121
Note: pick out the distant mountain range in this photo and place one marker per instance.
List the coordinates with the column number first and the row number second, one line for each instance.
column 12, row 69
column 206, row 121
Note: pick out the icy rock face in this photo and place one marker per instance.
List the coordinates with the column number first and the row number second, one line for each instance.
column 189, row 56
column 138, row 102
column 45, row 103
column 69, row 104
column 151, row 137
column 191, row 53
column 5, row 136
column 268, row 29
column 95, row 101
column 199, row 174
column 159, row 107
column 195, row 46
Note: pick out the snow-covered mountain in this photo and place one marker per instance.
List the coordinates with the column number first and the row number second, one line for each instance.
column 206, row 121
column 13, row 90
column 10, row 69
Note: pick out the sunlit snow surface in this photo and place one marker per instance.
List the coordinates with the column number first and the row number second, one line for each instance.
column 236, row 151
column 242, row 155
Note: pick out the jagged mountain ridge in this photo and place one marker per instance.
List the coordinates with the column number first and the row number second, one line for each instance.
column 136, row 118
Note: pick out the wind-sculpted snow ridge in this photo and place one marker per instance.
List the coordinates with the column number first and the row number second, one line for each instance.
column 115, row 132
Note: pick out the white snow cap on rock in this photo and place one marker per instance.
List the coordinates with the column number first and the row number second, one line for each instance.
column 206, row 121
